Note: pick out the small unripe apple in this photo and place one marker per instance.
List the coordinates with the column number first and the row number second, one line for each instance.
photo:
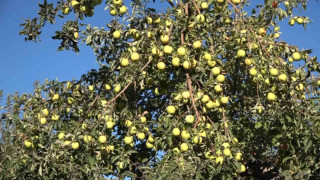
column 197, row 140
column 128, row 139
column 55, row 97
column 247, row 61
column 299, row 20
column 238, row 156
column 205, row 98
column 87, row 138
column 186, row 94
column 220, row 78
column 43, row 121
column 128, row 123
column 55, row 117
column 207, row 56
column 204, row 5
column 113, row 12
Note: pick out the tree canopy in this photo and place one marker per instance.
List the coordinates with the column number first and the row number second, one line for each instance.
column 202, row 90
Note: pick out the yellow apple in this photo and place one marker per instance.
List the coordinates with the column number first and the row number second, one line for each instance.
column 197, row 140
column 296, row 56
column 117, row 88
column 128, row 139
column 102, row 139
column 122, row 10
column 43, row 121
column 110, row 124
column 299, row 87
column 253, row 72
column 274, row 72
column 175, row 62
column 167, row 49
column 116, row 34
column 61, row 136
column 66, row 143
column 184, row 147
column 149, row 20
column 262, row 31
column 141, row 136
column 220, row 1
column 299, row 20
column 236, row 2
column 75, row 4
column 185, row 135
column 205, row 98
column 227, row 152
column 215, row 71
column 186, row 65
column 181, row 51
column 241, row 53
column 65, row 10
column 220, row 78
column 242, row 168
column 171, row 109
column 149, row 145
column 133, row 130
column 238, row 156
column 207, row 56
column 75, row 145
column 91, row 88
column 291, row 21
column 217, row 88
column 196, row 45
column 282, row 77
column 219, row 160
column 55, row 117
column 84, row 126
column 87, row 138
column 76, row 35
column 124, row 62
column 55, row 97
column 200, row 18
column 224, row 100
column 204, row 5
column 128, row 123
column 176, row 131
column 113, row 12
column 45, row 112
column 164, row 39
column 247, row 61
column 186, row 94
column 27, row 143
column 161, row 65
column 117, row 2
column 271, row 96
column 135, row 56
column 70, row 100
column 189, row 119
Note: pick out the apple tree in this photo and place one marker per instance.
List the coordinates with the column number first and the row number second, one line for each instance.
column 199, row 90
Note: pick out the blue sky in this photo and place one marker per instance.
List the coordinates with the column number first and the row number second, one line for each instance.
column 22, row 62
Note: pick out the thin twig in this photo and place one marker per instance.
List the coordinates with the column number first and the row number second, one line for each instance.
column 197, row 8
column 234, row 6
column 192, row 99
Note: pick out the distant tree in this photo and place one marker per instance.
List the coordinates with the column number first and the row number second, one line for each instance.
column 203, row 90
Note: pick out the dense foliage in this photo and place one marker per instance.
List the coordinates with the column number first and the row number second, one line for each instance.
column 203, row 90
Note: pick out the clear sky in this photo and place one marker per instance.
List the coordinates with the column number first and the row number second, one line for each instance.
column 22, row 62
